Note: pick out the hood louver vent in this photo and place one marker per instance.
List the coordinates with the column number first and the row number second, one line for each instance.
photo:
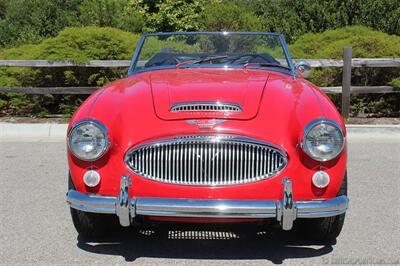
column 206, row 107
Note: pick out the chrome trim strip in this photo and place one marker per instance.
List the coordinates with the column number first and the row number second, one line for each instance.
column 171, row 207
column 206, row 208
column 322, row 208
column 285, row 210
column 211, row 106
column 91, row 203
column 205, row 144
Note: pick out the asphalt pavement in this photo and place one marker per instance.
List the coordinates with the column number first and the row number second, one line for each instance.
column 36, row 228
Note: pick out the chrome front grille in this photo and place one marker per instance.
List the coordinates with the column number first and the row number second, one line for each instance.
column 206, row 160
column 206, row 107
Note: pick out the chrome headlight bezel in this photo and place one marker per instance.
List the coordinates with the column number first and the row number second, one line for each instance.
column 312, row 125
column 104, row 131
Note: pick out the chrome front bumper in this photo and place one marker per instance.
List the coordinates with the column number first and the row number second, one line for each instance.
column 285, row 210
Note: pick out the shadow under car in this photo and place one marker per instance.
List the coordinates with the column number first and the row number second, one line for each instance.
column 205, row 241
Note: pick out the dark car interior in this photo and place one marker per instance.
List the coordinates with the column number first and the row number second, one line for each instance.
column 169, row 58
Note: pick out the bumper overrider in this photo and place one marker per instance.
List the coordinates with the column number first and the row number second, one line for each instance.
column 285, row 210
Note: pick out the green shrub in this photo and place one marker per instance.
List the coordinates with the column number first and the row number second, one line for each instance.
column 3, row 7
column 111, row 13
column 174, row 43
column 75, row 44
column 29, row 21
column 228, row 16
column 382, row 15
column 169, row 15
column 329, row 44
column 366, row 43
column 297, row 17
column 395, row 83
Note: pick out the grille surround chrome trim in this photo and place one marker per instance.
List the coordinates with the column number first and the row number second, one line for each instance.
column 200, row 176
column 199, row 106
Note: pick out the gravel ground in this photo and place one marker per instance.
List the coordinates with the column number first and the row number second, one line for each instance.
column 35, row 226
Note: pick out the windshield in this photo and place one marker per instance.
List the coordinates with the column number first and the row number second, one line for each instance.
column 189, row 50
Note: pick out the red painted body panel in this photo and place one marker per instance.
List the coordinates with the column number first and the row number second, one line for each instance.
column 244, row 88
column 276, row 109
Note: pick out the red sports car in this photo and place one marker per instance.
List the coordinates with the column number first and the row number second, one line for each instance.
column 209, row 127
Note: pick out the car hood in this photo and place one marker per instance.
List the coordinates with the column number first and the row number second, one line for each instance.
column 276, row 106
column 236, row 87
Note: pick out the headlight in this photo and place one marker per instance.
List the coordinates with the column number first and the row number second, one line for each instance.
column 323, row 140
column 88, row 140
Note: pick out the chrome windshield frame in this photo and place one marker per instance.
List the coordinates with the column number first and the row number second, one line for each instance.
column 135, row 57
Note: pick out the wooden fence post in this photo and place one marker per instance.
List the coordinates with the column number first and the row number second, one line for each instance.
column 346, row 82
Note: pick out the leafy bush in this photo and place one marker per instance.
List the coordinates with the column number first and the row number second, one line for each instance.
column 155, row 44
column 295, row 18
column 366, row 43
column 228, row 16
column 29, row 21
column 75, row 44
column 2, row 9
column 395, row 83
column 111, row 13
column 169, row 15
column 382, row 15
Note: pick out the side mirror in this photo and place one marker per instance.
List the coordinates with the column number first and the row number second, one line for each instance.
column 304, row 67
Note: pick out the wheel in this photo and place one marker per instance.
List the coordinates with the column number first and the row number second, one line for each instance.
column 325, row 229
column 92, row 224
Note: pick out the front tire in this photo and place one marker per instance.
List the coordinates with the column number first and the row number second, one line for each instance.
column 328, row 228
column 92, row 224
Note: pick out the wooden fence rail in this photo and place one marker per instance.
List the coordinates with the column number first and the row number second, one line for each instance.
column 45, row 63
column 356, row 62
column 346, row 89
column 89, row 90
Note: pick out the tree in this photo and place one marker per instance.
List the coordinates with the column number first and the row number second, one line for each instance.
column 169, row 15
column 29, row 21
column 229, row 16
column 295, row 18
column 110, row 13
column 2, row 9
column 382, row 15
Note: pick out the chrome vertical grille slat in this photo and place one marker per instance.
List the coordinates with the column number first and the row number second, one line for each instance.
column 197, row 177
column 168, row 164
column 206, row 160
column 229, row 163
